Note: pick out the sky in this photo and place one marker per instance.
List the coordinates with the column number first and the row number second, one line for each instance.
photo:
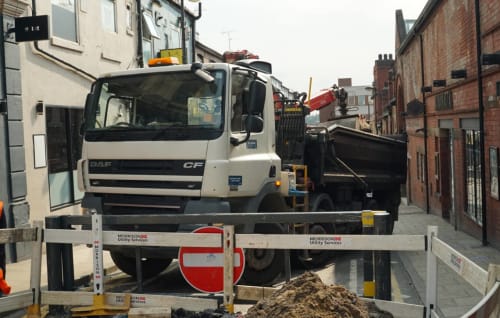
column 319, row 39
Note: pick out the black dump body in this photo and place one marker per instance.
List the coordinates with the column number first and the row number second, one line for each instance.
column 339, row 154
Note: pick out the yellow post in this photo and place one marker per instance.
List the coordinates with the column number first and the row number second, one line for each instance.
column 368, row 223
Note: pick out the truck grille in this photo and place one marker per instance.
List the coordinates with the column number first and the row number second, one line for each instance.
column 181, row 185
column 147, row 167
column 142, row 204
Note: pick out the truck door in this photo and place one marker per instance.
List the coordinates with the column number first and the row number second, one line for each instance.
column 252, row 157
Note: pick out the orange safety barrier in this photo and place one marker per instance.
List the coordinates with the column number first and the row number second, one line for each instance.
column 4, row 287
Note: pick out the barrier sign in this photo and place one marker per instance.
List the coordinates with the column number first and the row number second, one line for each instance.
column 203, row 267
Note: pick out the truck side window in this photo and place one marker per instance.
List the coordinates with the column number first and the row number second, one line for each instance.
column 239, row 101
column 237, row 118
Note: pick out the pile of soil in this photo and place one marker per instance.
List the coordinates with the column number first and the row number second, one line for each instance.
column 307, row 296
column 304, row 296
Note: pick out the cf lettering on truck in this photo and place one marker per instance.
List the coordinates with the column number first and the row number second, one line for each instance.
column 221, row 137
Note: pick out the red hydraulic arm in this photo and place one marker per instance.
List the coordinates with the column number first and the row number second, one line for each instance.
column 324, row 98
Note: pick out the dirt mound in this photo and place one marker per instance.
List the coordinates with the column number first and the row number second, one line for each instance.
column 307, row 296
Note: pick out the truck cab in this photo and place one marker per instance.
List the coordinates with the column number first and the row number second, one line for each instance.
column 178, row 139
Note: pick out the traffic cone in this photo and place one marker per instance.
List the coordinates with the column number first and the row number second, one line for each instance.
column 4, row 287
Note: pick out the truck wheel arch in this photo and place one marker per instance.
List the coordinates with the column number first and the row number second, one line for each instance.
column 321, row 201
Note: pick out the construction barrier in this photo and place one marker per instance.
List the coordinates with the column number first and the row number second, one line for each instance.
column 29, row 299
column 4, row 286
column 486, row 282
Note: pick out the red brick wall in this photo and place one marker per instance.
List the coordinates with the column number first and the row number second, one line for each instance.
column 448, row 40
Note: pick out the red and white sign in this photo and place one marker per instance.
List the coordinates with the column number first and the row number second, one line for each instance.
column 203, row 267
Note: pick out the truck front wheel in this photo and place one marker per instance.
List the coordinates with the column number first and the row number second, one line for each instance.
column 262, row 266
column 150, row 266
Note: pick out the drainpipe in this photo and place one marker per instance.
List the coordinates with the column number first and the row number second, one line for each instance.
column 481, row 120
column 426, row 171
column 140, row 59
column 55, row 58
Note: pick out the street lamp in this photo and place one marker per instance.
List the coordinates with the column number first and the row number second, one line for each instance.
column 183, row 29
column 373, row 90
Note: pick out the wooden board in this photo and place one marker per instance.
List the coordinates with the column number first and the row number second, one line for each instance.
column 78, row 298
column 17, row 235
column 153, row 312
column 14, row 302
column 256, row 293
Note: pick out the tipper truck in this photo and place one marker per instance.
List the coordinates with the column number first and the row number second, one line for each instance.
column 207, row 138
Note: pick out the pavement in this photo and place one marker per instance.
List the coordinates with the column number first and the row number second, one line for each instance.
column 455, row 296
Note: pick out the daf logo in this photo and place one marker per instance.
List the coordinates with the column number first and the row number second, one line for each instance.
column 192, row 165
column 100, row 164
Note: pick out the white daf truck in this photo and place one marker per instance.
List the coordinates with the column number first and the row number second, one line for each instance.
column 207, row 138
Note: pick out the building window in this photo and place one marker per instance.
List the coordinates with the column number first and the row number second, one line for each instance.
column 129, row 17
column 108, row 14
column 473, row 190
column 362, row 100
column 149, row 26
column 175, row 38
column 63, row 150
column 64, row 19
column 147, row 50
column 420, row 167
column 437, row 172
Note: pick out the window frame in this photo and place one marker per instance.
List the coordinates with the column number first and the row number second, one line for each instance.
column 472, row 201
column 71, row 132
column 61, row 37
column 104, row 17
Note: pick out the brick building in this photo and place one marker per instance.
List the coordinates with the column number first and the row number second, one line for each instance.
column 386, row 114
column 447, row 85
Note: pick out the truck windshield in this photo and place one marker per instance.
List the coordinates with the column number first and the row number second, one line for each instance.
column 158, row 106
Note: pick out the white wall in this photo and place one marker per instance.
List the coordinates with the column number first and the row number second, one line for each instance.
column 45, row 80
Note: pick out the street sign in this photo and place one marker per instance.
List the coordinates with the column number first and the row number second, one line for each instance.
column 33, row 28
column 203, row 267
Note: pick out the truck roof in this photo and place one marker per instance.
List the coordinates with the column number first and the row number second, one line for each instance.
column 161, row 69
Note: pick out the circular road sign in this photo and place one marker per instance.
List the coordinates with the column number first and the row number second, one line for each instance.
column 203, row 267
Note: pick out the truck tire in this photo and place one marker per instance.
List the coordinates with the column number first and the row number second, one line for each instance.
column 262, row 266
column 150, row 266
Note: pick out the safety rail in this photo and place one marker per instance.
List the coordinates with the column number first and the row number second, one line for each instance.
column 28, row 299
column 486, row 282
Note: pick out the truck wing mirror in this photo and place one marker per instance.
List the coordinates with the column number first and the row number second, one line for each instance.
column 253, row 123
column 257, row 97
column 89, row 100
column 196, row 68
